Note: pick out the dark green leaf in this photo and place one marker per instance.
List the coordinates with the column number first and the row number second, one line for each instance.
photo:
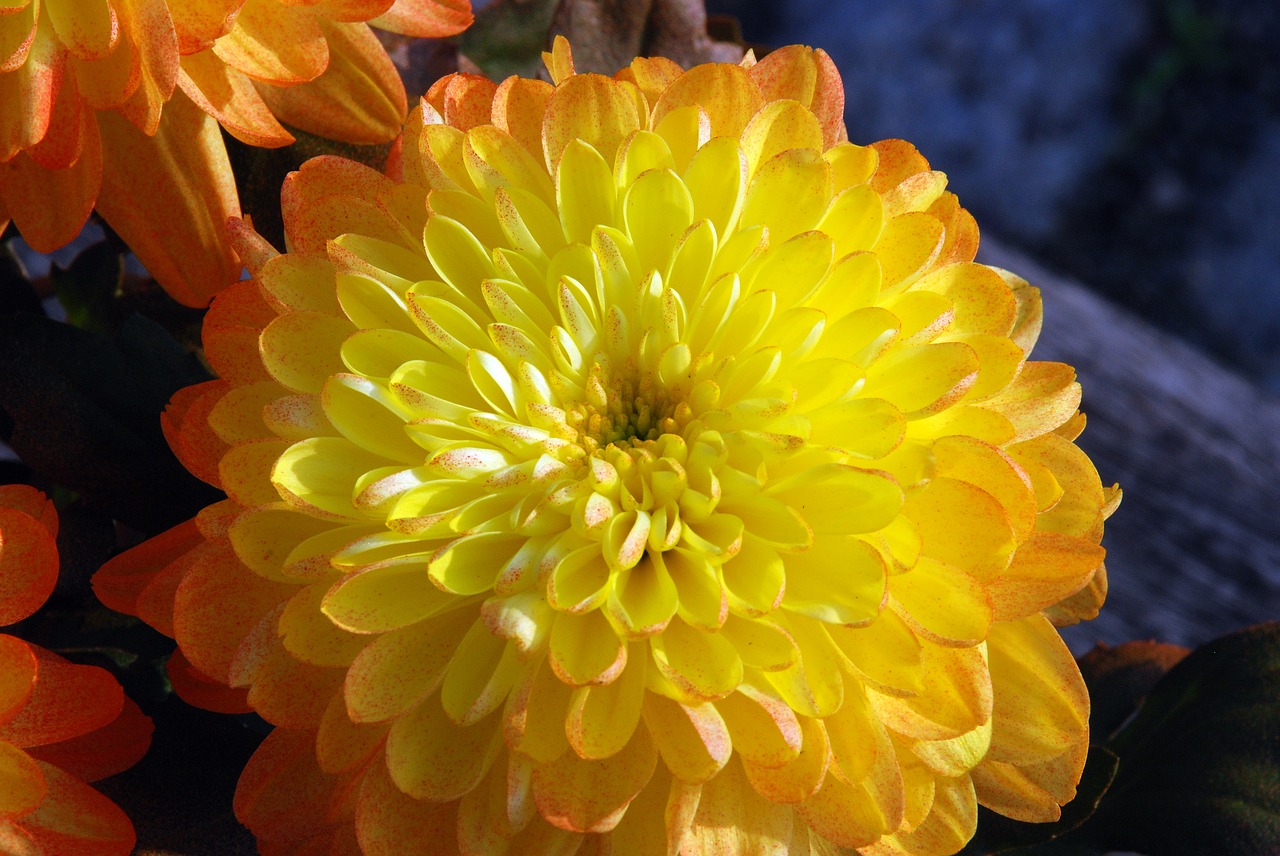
column 88, row 288
column 85, row 414
column 1200, row 762
column 17, row 294
column 1120, row 677
column 508, row 37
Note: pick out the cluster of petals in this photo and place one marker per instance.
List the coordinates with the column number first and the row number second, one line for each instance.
column 61, row 724
column 637, row 467
column 117, row 103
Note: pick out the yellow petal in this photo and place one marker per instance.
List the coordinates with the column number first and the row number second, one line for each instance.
column 431, row 758
column 955, row 696
column 693, row 739
column 591, row 108
column 943, row 603
column 603, row 719
column 88, row 29
column 1041, row 704
column 725, row 93
column 591, row 796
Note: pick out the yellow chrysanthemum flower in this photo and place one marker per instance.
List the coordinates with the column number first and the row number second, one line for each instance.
column 641, row 466
column 117, row 103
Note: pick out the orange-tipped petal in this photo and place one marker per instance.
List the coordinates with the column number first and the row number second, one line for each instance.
column 51, row 206
column 230, row 97
column 275, row 43
column 150, row 29
column 199, row 22
column 358, row 99
column 22, row 784
column 28, row 94
column 169, row 197
column 426, row 19
column 74, row 818
column 87, row 28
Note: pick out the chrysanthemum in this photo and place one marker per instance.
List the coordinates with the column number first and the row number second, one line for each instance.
column 116, row 103
column 61, row 724
column 641, row 465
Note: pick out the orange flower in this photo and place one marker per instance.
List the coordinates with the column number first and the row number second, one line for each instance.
column 61, row 724
column 116, row 103
column 638, row 467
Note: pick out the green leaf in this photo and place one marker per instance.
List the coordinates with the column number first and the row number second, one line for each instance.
column 1120, row 678
column 1200, row 762
column 83, row 411
column 88, row 288
column 17, row 294
column 509, row 37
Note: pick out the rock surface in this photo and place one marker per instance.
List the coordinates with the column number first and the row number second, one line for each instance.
column 1194, row 550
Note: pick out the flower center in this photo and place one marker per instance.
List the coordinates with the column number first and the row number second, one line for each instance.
column 626, row 409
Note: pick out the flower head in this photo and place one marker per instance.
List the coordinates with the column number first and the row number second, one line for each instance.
column 117, row 103
column 61, row 724
column 642, row 464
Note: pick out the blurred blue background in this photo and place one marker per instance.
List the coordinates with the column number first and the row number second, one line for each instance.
column 1131, row 144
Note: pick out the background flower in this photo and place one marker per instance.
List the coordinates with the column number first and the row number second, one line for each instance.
column 117, row 103
column 61, row 724
column 641, row 460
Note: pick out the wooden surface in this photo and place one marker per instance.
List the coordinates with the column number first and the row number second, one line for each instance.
column 1194, row 550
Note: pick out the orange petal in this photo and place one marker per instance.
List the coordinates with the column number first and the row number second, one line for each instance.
column 809, row 76
column 68, row 700
column 228, row 96
column 358, row 99
column 120, row 581
column 28, row 94
column 196, row 688
column 426, row 19
column 728, row 95
column 389, row 822
column 51, row 206
column 69, row 126
column 199, row 22
column 17, row 675
column 150, row 30
column 169, row 197
column 74, row 818
column 28, row 500
column 231, row 329
column 275, row 43
column 185, row 423
column 588, row 107
column 518, row 108
column 282, row 792
column 103, row 752
column 28, row 565
column 218, row 603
